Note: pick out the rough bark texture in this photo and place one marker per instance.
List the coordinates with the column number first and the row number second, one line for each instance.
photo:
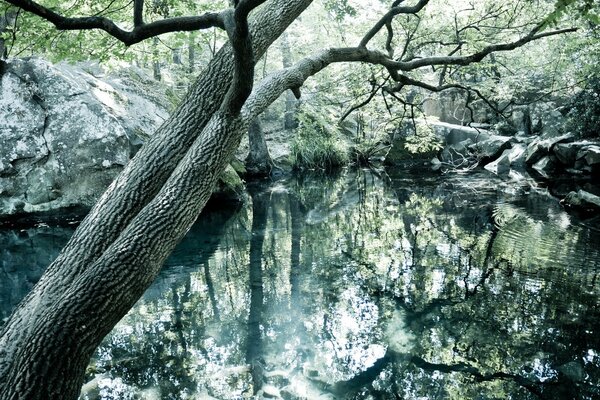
column 120, row 246
column 258, row 162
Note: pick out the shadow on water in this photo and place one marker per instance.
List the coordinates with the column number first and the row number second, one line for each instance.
column 365, row 285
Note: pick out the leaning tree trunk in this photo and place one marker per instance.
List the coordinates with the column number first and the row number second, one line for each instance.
column 118, row 249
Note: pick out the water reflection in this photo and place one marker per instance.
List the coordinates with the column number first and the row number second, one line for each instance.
column 367, row 286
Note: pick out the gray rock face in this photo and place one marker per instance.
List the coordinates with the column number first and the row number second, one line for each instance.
column 491, row 148
column 541, row 146
column 65, row 133
column 454, row 134
column 591, row 155
column 510, row 158
column 545, row 166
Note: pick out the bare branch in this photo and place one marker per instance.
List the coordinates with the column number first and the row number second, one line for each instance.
column 355, row 107
column 387, row 18
column 475, row 57
column 139, row 33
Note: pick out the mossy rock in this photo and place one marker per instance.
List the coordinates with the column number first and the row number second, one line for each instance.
column 230, row 187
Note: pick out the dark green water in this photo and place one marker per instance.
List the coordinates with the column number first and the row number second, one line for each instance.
column 358, row 287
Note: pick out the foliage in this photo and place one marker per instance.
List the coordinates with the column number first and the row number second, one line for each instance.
column 423, row 139
column 318, row 144
column 584, row 116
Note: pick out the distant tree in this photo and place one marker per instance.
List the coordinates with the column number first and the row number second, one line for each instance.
column 118, row 249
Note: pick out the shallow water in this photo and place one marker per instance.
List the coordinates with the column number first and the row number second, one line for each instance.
column 367, row 285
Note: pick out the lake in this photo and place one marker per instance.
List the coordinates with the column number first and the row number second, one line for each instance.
column 366, row 285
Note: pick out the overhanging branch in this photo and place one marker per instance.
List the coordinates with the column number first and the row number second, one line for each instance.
column 140, row 32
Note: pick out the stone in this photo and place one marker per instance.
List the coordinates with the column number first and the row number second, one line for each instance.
column 500, row 166
column 491, row 148
column 66, row 133
column 545, row 166
column 582, row 200
column 541, row 146
column 454, row 134
column 513, row 157
column 456, row 152
column 591, row 155
column 569, row 153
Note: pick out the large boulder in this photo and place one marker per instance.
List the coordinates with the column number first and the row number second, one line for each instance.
column 591, row 156
column 454, row 134
column 542, row 146
column 510, row 158
column 67, row 131
column 492, row 147
column 546, row 166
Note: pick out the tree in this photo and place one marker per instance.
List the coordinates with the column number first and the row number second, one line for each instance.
column 120, row 246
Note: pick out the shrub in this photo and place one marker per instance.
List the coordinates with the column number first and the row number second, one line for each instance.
column 318, row 145
column 584, row 115
column 422, row 140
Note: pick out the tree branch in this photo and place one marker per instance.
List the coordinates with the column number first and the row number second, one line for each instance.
column 236, row 25
column 138, row 13
column 387, row 18
column 139, row 33
column 475, row 57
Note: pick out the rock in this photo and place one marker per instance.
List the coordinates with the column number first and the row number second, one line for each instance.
column 66, row 132
column 573, row 370
column 591, row 155
column 541, row 147
column 456, row 152
column 545, row 166
column 454, row 134
column 569, row 153
column 514, row 156
column 501, row 165
column 491, row 148
column 582, row 200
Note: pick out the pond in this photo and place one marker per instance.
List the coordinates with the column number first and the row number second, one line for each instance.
column 381, row 285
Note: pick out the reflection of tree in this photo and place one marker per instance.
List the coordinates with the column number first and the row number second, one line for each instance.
column 155, row 348
column 343, row 288
column 254, row 345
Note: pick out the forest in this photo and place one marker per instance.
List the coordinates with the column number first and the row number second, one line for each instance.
column 297, row 199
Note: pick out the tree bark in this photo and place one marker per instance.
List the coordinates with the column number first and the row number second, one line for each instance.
column 258, row 162
column 116, row 252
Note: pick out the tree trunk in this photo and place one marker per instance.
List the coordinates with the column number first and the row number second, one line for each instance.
column 6, row 20
column 155, row 62
column 191, row 52
column 258, row 162
column 290, row 121
column 120, row 246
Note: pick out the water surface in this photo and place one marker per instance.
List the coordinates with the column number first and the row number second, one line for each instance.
column 367, row 285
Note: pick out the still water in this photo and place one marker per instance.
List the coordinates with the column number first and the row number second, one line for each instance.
column 363, row 286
